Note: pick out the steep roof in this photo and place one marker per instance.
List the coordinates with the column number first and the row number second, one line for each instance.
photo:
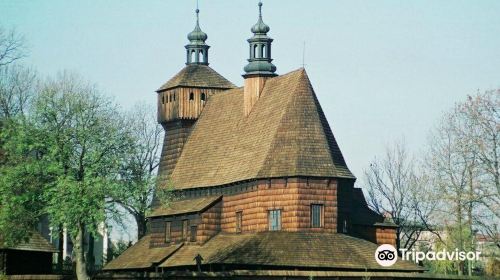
column 185, row 206
column 141, row 256
column 36, row 242
column 286, row 134
column 197, row 75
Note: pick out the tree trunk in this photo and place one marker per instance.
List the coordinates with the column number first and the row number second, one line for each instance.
column 460, row 234
column 90, row 254
column 141, row 225
column 469, row 218
column 60, row 260
column 81, row 269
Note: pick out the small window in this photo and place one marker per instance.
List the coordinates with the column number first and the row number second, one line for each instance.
column 203, row 97
column 162, row 99
column 168, row 231
column 274, row 220
column 344, row 226
column 192, row 237
column 191, row 96
column 316, row 215
column 239, row 220
column 174, row 95
column 185, row 227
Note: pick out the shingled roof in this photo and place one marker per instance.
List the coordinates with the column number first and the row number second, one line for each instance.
column 197, row 75
column 185, row 206
column 319, row 250
column 271, row 249
column 36, row 242
column 141, row 256
column 285, row 135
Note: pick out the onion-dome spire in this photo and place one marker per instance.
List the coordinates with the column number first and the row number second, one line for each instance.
column 197, row 49
column 260, row 50
column 197, row 35
column 260, row 27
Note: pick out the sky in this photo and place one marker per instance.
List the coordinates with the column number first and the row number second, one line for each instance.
column 382, row 70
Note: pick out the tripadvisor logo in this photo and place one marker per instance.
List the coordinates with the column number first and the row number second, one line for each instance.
column 386, row 255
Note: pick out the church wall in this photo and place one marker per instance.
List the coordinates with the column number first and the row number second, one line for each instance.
column 293, row 197
column 210, row 223
column 158, row 229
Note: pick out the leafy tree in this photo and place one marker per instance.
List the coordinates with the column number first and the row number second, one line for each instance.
column 464, row 166
column 23, row 175
column 85, row 138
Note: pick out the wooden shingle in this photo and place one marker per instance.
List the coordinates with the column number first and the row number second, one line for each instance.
column 286, row 134
column 197, row 75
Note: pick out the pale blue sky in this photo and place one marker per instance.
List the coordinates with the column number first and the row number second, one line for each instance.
column 381, row 69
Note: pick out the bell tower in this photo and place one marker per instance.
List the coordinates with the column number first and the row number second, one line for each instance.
column 181, row 100
column 259, row 67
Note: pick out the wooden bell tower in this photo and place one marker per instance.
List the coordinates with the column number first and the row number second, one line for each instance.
column 181, row 100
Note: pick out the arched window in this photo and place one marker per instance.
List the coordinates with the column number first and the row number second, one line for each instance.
column 255, row 51
column 193, row 56
column 203, row 97
column 191, row 96
column 163, row 99
column 200, row 56
column 174, row 95
column 263, row 51
column 170, row 98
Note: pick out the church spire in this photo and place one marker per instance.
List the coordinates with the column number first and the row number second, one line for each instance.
column 197, row 49
column 260, row 50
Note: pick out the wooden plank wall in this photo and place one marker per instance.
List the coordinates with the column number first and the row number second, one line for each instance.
column 293, row 196
column 252, row 90
column 158, row 229
column 386, row 236
column 210, row 223
column 182, row 107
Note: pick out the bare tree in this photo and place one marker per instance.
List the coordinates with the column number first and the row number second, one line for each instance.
column 464, row 168
column 394, row 188
column 17, row 86
column 12, row 47
column 139, row 172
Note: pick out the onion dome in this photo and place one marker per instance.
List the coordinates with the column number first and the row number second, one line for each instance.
column 197, row 35
column 260, row 27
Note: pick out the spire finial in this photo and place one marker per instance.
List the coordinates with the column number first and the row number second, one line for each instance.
column 260, row 9
column 197, row 49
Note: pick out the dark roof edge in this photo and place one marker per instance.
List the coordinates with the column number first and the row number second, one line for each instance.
column 268, row 178
column 216, row 199
column 188, row 86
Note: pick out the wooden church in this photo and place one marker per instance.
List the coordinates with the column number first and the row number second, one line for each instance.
column 262, row 187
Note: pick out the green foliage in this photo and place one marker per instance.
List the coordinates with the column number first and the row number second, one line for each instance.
column 117, row 249
column 86, row 139
column 23, row 175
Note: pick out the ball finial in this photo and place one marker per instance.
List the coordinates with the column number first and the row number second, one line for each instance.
column 197, row 11
column 260, row 3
